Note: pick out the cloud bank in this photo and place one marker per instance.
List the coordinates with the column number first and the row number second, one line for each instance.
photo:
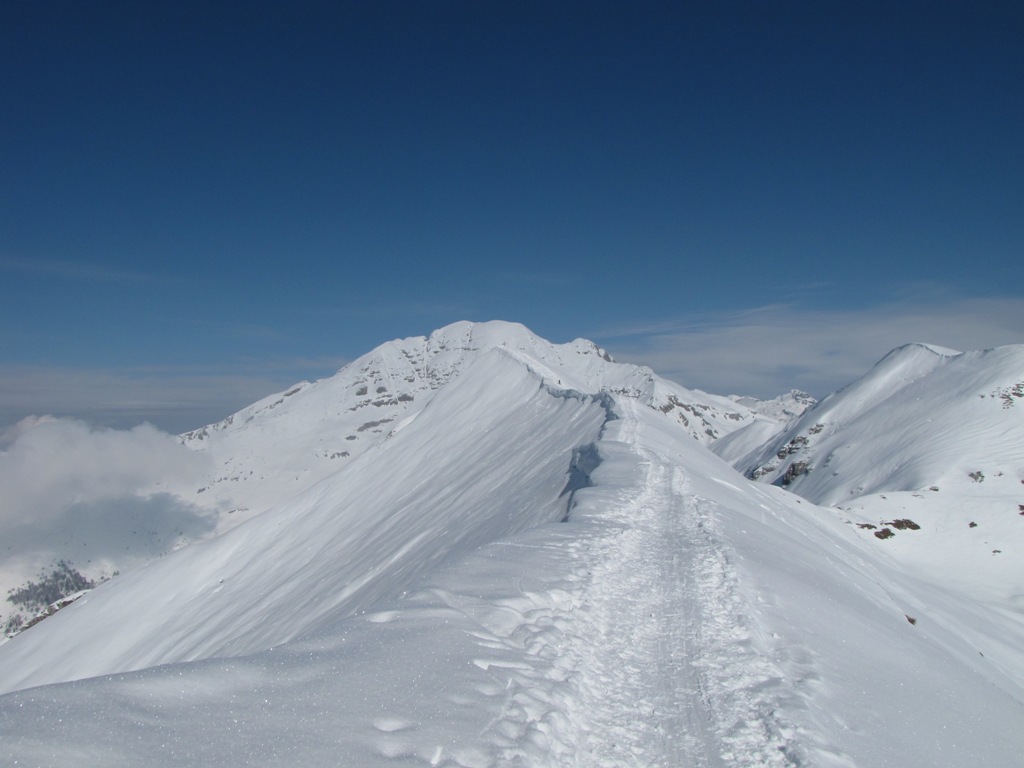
column 766, row 351
column 98, row 497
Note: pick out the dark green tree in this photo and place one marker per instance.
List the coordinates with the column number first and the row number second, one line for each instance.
column 63, row 580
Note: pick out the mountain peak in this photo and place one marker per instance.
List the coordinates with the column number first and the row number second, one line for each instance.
column 306, row 433
column 919, row 346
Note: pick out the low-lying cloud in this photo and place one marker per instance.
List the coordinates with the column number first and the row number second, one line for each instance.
column 69, row 490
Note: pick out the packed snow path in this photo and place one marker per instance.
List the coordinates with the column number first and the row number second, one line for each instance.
column 637, row 636
column 645, row 650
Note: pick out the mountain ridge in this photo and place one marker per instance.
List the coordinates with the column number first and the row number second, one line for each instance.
column 909, row 396
column 312, row 428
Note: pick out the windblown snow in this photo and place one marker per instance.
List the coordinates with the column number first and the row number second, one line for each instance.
column 526, row 558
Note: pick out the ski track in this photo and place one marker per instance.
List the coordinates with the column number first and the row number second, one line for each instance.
column 644, row 660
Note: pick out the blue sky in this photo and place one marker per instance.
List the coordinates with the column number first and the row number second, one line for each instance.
column 201, row 203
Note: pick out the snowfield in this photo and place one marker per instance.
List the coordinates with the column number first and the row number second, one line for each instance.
column 536, row 565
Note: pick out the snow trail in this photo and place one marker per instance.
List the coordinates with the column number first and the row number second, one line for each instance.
column 642, row 659
column 639, row 688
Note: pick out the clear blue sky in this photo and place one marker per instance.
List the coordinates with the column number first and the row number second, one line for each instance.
column 203, row 202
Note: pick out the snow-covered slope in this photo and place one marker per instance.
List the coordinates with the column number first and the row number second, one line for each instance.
column 285, row 443
column 782, row 408
column 536, row 568
column 924, row 456
column 771, row 418
column 488, row 457
column 923, row 416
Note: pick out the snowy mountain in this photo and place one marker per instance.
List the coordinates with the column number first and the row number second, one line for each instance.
column 770, row 418
column 525, row 558
column 275, row 449
column 287, row 442
column 782, row 408
column 926, row 449
column 922, row 416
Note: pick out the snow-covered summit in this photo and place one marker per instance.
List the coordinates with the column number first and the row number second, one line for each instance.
column 771, row 417
column 785, row 407
column 288, row 441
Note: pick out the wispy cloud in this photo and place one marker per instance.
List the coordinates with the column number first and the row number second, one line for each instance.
column 174, row 399
column 768, row 350
column 78, row 271
column 761, row 351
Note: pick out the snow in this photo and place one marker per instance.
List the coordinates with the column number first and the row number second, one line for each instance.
column 934, row 437
column 921, row 417
column 770, row 418
column 352, row 540
column 542, row 567
column 276, row 448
